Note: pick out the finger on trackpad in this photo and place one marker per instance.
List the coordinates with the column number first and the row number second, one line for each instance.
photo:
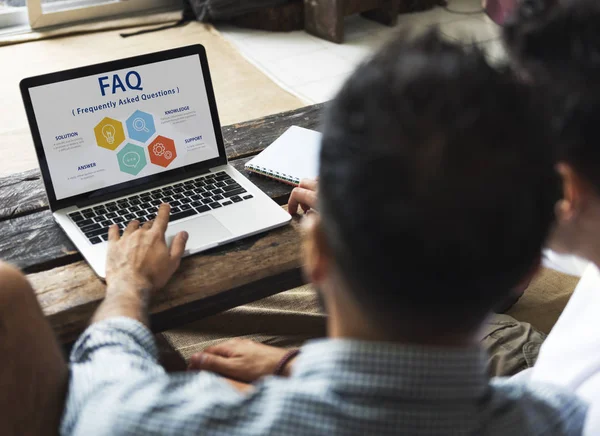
column 204, row 230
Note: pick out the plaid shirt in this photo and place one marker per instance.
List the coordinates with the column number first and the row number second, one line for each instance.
column 344, row 387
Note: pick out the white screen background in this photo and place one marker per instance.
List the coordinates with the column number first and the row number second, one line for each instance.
column 53, row 105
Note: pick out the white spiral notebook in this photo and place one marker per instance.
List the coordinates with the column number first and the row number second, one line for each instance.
column 292, row 157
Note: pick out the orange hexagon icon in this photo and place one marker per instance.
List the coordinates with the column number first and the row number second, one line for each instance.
column 162, row 151
column 109, row 133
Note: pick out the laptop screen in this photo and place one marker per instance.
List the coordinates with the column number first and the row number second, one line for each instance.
column 115, row 127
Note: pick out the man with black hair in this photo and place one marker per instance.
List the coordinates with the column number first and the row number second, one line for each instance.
column 412, row 190
column 556, row 46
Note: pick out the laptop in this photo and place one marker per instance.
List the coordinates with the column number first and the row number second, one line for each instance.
column 115, row 140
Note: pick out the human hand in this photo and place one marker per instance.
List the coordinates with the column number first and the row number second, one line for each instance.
column 241, row 359
column 305, row 196
column 140, row 259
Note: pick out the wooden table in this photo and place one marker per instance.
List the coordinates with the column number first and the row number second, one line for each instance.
column 206, row 284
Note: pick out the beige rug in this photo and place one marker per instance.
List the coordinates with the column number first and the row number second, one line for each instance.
column 242, row 91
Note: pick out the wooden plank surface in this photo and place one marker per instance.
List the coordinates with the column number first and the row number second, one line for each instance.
column 24, row 192
column 222, row 278
column 34, row 242
column 21, row 193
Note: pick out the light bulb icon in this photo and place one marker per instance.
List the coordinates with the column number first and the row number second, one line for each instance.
column 108, row 131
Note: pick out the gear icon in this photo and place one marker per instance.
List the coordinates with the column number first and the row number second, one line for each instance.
column 159, row 149
column 162, row 151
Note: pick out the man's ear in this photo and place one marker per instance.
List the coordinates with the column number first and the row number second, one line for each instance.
column 574, row 190
column 315, row 250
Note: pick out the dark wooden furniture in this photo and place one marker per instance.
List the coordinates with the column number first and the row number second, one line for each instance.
column 282, row 18
column 325, row 18
column 206, row 284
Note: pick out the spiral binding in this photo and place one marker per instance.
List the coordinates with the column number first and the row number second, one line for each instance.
column 284, row 178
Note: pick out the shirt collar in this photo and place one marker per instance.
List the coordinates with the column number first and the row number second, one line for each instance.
column 419, row 372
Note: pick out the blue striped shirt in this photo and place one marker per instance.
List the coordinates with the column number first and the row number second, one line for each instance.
column 344, row 387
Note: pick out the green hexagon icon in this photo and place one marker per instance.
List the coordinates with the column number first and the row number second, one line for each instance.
column 109, row 133
column 132, row 159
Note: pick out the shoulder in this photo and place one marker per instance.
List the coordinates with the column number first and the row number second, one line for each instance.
column 542, row 407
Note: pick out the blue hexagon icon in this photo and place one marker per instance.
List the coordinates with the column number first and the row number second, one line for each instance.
column 132, row 159
column 140, row 126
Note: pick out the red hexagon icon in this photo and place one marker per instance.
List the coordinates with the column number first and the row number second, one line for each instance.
column 162, row 151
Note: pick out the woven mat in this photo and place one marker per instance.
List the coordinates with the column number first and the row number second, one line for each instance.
column 242, row 91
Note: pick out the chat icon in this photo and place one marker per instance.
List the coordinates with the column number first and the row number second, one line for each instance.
column 131, row 159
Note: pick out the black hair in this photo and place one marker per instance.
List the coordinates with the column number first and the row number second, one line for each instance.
column 556, row 42
column 434, row 183
column 578, row 137
column 558, row 45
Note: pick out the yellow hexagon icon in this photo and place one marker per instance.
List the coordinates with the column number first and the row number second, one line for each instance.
column 109, row 133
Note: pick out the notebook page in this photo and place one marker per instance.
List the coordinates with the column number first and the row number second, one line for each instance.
column 294, row 155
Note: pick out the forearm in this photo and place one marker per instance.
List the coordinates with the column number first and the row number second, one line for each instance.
column 114, row 369
column 107, row 355
column 127, row 299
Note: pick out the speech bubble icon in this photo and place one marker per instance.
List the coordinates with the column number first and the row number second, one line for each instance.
column 131, row 159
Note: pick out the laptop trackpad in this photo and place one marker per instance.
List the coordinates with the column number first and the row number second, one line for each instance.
column 204, row 230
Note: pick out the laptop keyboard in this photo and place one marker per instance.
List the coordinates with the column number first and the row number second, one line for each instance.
column 188, row 198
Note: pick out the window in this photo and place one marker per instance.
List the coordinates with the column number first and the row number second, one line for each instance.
column 12, row 13
column 48, row 13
